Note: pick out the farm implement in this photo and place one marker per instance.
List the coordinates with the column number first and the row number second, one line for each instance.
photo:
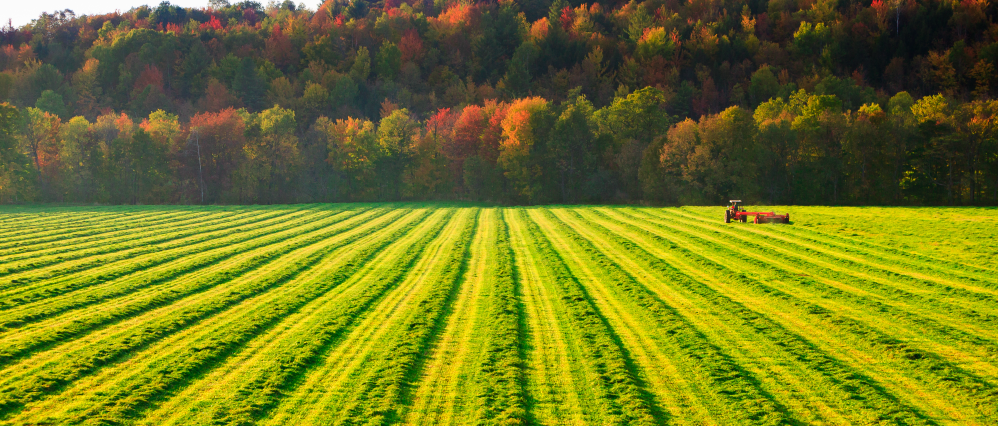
column 738, row 214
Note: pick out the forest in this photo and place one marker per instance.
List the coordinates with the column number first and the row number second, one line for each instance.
column 828, row 102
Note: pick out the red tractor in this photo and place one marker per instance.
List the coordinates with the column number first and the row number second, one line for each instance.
column 733, row 212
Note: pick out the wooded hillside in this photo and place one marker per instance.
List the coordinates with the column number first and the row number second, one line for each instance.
column 661, row 101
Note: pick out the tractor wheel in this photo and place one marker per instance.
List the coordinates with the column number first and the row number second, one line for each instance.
column 787, row 219
column 727, row 216
column 744, row 219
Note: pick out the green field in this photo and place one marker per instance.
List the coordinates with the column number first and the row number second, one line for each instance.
column 443, row 314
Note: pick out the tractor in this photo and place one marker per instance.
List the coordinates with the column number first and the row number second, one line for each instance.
column 738, row 214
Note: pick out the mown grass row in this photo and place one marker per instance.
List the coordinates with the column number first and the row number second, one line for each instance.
column 869, row 394
column 500, row 397
column 376, row 399
column 87, row 289
column 212, row 269
column 892, row 276
column 54, row 374
column 893, row 303
column 870, row 252
column 40, row 227
column 932, row 370
column 126, row 401
column 141, row 240
column 622, row 395
column 111, row 265
column 188, row 250
column 728, row 381
column 194, row 404
column 46, row 235
column 123, row 232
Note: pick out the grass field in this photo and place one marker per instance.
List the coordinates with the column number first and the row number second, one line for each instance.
column 421, row 314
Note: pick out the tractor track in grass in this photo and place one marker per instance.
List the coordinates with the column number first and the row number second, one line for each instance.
column 346, row 366
column 52, row 370
column 835, row 329
column 964, row 339
column 216, row 270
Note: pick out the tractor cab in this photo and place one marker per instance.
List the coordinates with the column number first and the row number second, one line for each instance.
column 738, row 214
column 731, row 213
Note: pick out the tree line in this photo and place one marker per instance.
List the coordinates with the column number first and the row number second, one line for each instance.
column 789, row 102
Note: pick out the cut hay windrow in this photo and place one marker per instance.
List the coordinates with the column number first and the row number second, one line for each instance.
column 282, row 357
column 53, row 375
column 112, row 264
column 49, row 236
column 625, row 401
column 49, row 265
column 933, row 370
column 128, row 236
column 93, row 286
column 730, row 382
column 884, row 303
column 375, row 399
column 906, row 261
column 874, row 397
column 894, row 276
column 177, row 282
column 452, row 314
column 129, row 398
column 500, row 396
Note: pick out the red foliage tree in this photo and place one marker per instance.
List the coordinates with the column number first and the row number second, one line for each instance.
column 220, row 139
